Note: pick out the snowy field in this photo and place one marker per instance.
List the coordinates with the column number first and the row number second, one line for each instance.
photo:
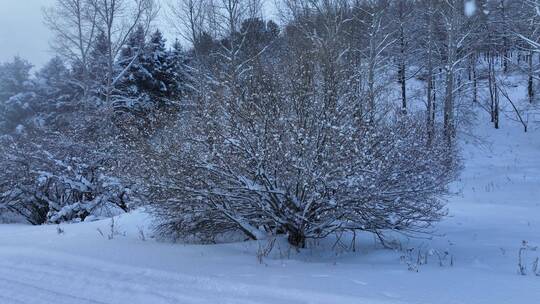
column 473, row 258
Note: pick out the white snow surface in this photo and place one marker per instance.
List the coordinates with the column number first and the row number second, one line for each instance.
column 498, row 207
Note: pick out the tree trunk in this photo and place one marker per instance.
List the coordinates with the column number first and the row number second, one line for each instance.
column 430, row 113
column 530, row 89
column 451, row 52
column 402, row 71
column 475, row 79
column 296, row 238
column 449, row 106
column 371, row 88
column 496, row 109
column 491, row 88
column 403, row 83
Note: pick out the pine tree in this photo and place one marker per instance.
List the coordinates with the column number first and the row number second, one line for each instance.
column 98, row 65
column 155, row 62
column 152, row 82
column 130, row 59
column 176, row 67
column 14, row 77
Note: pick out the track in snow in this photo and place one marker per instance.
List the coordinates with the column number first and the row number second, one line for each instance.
column 30, row 277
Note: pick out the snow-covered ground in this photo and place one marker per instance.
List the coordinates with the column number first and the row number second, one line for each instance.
column 497, row 208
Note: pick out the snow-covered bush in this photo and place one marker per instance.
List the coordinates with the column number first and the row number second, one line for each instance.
column 306, row 183
column 74, row 194
column 45, row 187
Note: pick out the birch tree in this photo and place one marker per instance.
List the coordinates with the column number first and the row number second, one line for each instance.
column 458, row 32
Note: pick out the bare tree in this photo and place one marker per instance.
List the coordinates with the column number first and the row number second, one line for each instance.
column 458, row 33
column 429, row 46
column 403, row 12
column 376, row 39
column 527, row 29
column 74, row 24
column 189, row 18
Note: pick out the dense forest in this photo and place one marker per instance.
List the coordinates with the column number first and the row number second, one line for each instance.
column 337, row 116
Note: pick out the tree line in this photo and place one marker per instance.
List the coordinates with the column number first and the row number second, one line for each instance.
column 341, row 117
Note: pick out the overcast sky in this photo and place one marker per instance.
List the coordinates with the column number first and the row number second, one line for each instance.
column 22, row 31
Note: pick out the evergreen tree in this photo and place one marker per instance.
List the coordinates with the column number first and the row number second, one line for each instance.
column 152, row 82
column 155, row 62
column 98, row 65
column 15, row 95
column 176, row 67
column 153, row 71
column 130, row 59
column 14, row 77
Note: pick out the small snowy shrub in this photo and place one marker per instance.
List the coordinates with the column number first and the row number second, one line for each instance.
column 414, row 258
column 78, row 194
column 44, row 183
column 281, row 178
column 265, row 249
column 523, row 261
column 57, row 198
